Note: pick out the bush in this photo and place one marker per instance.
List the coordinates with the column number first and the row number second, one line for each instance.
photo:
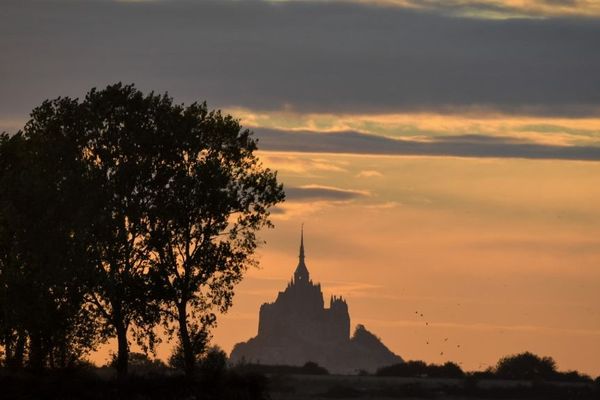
column 141, row 364
column 419, row 369
column 526, row 366
column 487, row 374
column 572, row 376
column 406, row 369
column 448, row 370
column 213, row 364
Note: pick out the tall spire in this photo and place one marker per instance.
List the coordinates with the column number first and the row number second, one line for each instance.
column 302, row 244
column 301, row 273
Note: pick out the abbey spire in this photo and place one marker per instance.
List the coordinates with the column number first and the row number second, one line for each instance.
column 301, row 256
column 301, row 273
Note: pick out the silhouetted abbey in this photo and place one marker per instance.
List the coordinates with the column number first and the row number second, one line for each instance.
column 297, row 328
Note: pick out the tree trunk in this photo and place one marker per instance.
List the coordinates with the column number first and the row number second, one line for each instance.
column 36, row 354
column 19, row 352
column 189, row 358
column 51, row 359
column 123, row 345
column 8, row 349
column 62, row 353
column 14, row 349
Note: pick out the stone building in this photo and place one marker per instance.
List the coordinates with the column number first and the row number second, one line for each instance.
column 297, row 328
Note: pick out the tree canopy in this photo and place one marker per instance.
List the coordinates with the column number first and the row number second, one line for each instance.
column 124, row 210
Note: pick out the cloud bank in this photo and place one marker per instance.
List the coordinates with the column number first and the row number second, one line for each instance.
column 306, row 56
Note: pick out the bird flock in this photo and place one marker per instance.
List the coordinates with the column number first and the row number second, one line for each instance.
column 444, row 342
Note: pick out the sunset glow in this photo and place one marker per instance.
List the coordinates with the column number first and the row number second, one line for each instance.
column 443, row 156
column 499, row 255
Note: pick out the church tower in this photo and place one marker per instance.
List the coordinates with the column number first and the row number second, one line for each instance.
column 301, row 274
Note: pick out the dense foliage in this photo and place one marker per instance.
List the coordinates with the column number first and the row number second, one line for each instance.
column 121, row 213
column 524, row 366
column 420, row 369
column 528, row 366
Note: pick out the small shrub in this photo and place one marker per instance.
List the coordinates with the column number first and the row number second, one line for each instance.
column 141, row 364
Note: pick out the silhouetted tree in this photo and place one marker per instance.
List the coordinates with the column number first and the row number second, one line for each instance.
column 80, row 160
column 44, row 240
column 12, row 336
column 212, row 197
column 127, row 141
column 177, row 358
column 121, row 207
column 526, row 366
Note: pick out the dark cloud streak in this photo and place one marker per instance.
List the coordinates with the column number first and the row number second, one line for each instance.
column 323, row 193
column 459, row 146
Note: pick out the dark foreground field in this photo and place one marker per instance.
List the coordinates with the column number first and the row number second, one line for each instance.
column 250, row 386
column 300, row 387
column 95, row 386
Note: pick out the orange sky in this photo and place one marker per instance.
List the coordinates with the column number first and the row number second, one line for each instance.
column 499, row 255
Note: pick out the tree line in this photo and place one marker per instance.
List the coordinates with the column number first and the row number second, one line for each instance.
column 123, row 215
column 522, row 366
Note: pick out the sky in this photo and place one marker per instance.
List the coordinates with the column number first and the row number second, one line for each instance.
column 444, row 156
